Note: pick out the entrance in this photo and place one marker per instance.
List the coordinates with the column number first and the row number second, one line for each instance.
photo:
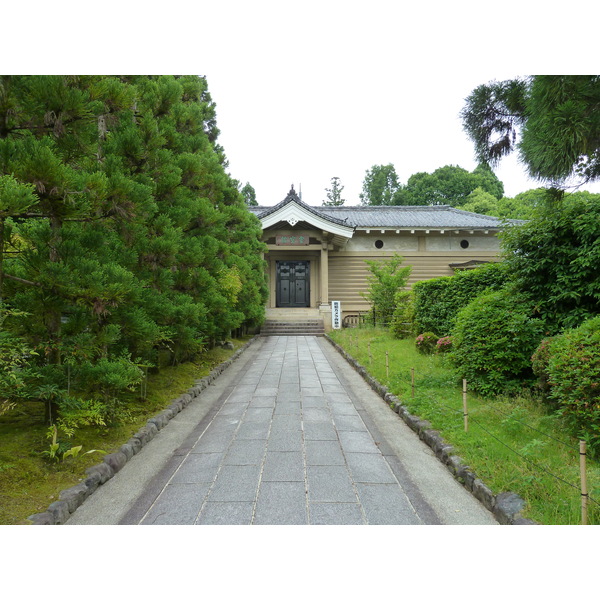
column 293, row 283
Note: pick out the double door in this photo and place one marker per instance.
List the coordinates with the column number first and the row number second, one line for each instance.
column 293, row 283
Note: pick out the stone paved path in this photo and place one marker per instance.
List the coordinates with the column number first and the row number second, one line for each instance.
column 289, row 441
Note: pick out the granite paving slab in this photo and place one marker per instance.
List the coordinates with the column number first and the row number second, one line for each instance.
column 288, row 439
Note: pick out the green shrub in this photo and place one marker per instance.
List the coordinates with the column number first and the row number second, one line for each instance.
column 554, row 259
column 574, row 379
column 493, row 340
column 386, row 279
column 426, row 343
column 539, row 364
column 402, row 325
column 437, row 301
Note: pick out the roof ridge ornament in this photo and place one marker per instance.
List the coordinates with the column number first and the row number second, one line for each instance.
column 292, row 194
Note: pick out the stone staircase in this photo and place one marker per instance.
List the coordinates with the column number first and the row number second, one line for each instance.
column 296, row 327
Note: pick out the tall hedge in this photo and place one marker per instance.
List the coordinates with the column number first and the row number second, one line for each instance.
column 437, row 301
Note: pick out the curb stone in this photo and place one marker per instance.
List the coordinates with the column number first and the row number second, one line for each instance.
column 506, row 506
column 71, row 498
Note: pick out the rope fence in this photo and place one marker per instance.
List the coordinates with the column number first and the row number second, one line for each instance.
column 469, row 418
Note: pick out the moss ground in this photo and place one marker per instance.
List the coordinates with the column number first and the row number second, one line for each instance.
column 29, row 482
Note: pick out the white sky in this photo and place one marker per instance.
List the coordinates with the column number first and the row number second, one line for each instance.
column 306, row 91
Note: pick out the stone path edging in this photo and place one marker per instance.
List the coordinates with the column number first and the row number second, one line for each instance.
column 506, row 506
column 70, row 499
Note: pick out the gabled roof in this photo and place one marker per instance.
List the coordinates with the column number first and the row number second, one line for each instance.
column 292, row 210
column 391, row 217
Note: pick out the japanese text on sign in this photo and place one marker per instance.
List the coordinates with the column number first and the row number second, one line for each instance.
column 291, row 240
column 336, row 314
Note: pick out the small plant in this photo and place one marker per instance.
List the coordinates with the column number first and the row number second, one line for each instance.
column 426, row 343
column 61, row 449
column 386, row 279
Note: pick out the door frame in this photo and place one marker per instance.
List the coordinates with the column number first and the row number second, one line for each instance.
column 307, row 280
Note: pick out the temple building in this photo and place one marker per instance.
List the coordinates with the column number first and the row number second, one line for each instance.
column 316, row 254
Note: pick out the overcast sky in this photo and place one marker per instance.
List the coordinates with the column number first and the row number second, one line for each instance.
column 307, row 91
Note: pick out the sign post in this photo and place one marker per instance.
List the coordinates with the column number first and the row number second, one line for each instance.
column 336, row 314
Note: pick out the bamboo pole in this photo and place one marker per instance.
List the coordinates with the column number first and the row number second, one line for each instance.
column 370, row 355
column 412, row 379
column 387, row 365
column 584, row 491
column 465, row 411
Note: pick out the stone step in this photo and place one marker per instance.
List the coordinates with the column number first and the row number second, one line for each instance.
column 297, row 327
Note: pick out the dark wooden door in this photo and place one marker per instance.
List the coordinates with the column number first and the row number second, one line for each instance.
column 293, row 283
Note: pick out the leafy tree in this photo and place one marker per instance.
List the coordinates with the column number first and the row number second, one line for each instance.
column 334, row 194
column 249, row 194
column 379, row 185
column 481, row 202
column 554, row 260
column 557, row 116
column 386, row 280
column 449, row 185
column 122, row 235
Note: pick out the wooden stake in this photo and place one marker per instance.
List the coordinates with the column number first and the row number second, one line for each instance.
column 370, row 355
column 412, row 378
column 465, row 411
column 387, row 365
column 584, row 492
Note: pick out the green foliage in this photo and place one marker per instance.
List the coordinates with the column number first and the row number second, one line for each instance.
column 493, row 339
column 249, row 194
column 512, row 426
column 554, row 260
column 437, row 301
column 426, row 343
column 334, row 193
column 121, row 234
column 539, row 364
column 573, row 373
column 444, row 345
column 379, row 185
column 15, row 353
column 557, row 116
column 451, row 185
column 402, row 324
column 386, row 279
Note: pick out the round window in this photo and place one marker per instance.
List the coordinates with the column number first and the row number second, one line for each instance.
column 379, row 244
column 464, row 243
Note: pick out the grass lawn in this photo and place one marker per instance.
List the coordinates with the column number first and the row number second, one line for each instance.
column 513, row 444
column 29, row 481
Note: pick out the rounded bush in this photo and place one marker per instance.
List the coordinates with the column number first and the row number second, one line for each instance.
column 493, row 339
column 444, row 345
column 574, row 379
column 426, row 342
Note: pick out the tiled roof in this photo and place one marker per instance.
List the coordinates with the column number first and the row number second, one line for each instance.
column 440, row 216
